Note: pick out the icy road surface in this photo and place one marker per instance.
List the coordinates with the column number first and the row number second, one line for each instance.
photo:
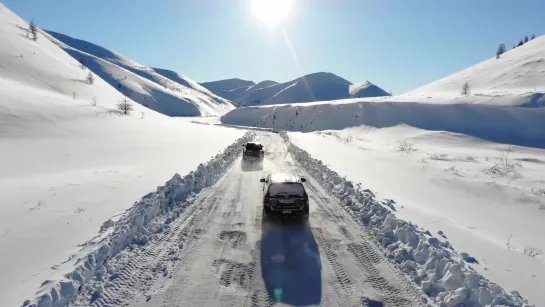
column 230, row 257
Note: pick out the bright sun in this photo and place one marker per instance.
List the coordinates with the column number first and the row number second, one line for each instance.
column 272, row 12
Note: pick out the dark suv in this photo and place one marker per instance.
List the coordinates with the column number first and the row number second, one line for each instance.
column 252, row 152
column 284, row 196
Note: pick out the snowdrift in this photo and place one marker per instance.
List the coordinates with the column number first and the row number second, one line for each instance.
column 444, row 274
column 313, row 87
column 163, row 90
column 511, row 125
column 135, row 227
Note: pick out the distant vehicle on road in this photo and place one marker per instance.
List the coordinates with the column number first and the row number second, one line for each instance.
column 253, row 152
column 284, row 195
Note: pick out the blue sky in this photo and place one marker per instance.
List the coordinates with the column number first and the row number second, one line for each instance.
column 396, row 44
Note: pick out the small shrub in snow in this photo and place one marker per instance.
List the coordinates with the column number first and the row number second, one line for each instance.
column 532, row 251
column 74, row 95
column 124, row 106
column 438, row 156
column 466, row 88
column 538, row 192
column 509, row 248
column 471, row 159
column 405, row 147
column 505, row 166
column 94, row 102
column 90, row 78
column 533, row 36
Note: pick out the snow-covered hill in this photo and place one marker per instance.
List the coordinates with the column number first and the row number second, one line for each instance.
column 313, row 87
column 366, row 89
column 159, row 89
column 517, row 78
column 66, row 164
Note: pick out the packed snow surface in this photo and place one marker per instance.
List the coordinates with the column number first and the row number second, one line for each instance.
column 69, row 161
column 162, row 90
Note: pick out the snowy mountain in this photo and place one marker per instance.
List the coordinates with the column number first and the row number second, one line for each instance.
column 226, row 85
column 69, row 160
column 159, row 89
column 366, row 89
column 313, row 87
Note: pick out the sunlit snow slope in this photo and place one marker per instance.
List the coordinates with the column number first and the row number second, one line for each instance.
column 67, row 166
column 516, row 78
column 159, row 89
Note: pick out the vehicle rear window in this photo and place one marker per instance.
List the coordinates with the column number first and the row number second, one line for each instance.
column 286, row 188
column 252, row 146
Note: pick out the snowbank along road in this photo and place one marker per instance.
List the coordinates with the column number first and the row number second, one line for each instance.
column 219, row 252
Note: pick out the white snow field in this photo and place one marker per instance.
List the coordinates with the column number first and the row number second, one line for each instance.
column 455, row 184
column 321, row 86
column 67, row 166
column 159, row 89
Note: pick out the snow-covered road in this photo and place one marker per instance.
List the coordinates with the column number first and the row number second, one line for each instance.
column 219, row 252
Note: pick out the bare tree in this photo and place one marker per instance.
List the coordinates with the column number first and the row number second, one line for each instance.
column 82, row 64
column 466, row 88
column 90, row 78
column 33, row 30
column 500, row 51
column 125, row 106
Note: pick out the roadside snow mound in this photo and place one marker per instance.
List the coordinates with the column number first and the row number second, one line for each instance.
column 163, row 91
column 518, row 126
column 435, row 265
column 136, row 227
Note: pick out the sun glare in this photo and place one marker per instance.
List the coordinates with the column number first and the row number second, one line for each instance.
column 272, row 12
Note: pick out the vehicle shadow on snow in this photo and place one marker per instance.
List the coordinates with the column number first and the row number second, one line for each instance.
column 247, row 166
column 290, row 263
